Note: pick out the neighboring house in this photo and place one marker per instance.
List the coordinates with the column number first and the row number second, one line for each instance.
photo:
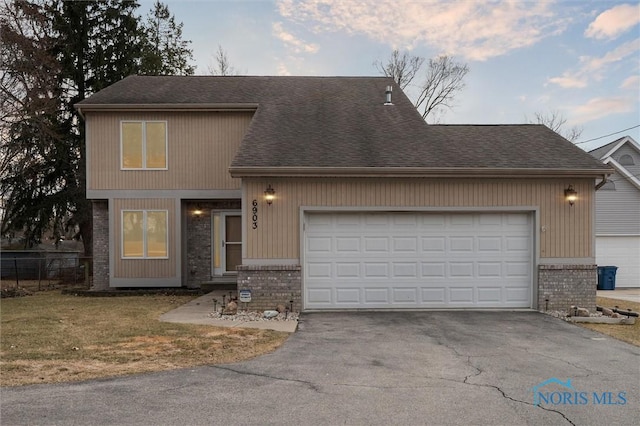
column 618, row 211
column 334, row 193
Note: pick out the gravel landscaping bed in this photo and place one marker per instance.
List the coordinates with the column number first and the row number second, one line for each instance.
column 254, row 316
column 565, row 316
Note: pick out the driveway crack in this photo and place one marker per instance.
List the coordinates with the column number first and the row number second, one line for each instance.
column 504, row 395
column 267, row 376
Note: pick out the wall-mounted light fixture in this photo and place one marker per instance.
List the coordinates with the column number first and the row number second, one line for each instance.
column 571, row 195
column 269, row 194
column 198, row 210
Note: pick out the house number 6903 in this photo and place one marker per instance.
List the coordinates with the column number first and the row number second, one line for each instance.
column 254, row 217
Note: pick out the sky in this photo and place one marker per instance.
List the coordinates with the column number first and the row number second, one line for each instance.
column 578, row 58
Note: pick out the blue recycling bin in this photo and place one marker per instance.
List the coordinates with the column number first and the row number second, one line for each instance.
column 607, row 277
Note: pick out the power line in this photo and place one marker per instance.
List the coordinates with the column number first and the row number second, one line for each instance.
column 610, row 134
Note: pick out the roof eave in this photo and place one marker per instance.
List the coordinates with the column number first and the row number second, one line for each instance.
column 82, row 108
column 413, row 172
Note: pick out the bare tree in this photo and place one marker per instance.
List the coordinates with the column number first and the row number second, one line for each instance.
column 401, row 67
column 556, row 121
column 443, row 79
column 221, row 64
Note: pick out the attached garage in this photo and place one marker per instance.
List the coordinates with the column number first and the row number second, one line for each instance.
column 351, row 201
column 396, row 260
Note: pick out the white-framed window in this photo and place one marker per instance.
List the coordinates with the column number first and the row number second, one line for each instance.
column 145, row 234
column 143, row 145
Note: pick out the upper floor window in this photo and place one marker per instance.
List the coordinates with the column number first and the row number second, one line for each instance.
column 143, row 144
column 144, row 234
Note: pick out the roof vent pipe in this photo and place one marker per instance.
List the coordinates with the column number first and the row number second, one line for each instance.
column 388, row 95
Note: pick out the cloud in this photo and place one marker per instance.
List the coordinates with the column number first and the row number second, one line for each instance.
column 297, row 45
column 619, row 53
column 594, row 68
column 283, row 70
column 613, row 22
column 569, row 81
column 475, row 30
column 601, row 107
column 632, row 83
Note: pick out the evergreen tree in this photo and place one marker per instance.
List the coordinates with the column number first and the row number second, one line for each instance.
column 35, row 161
column 55, row 54
column 165, row 52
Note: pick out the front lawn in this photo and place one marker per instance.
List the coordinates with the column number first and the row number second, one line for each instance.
column 49, row 337
column 626, row 333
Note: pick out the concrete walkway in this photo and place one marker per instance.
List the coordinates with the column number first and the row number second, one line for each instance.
column 630, row 294
column 197, row 312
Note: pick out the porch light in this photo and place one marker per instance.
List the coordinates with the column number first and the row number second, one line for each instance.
column 571, row 195
column 269, row 194
column 197, row 211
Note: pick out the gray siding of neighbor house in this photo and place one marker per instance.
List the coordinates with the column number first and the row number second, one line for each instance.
column 635, row 155
column 618, row 205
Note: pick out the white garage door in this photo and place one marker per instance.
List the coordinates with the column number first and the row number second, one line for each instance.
column 623, row 252
column 417, row 260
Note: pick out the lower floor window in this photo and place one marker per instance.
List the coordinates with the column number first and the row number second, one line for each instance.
column 144, row 234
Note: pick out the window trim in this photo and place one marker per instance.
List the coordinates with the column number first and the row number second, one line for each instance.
column 145, row 255
column 144, row 145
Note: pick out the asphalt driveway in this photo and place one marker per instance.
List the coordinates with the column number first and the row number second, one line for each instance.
column 374, row 368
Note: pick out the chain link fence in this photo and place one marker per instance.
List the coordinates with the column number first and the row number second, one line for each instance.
column 41, row 270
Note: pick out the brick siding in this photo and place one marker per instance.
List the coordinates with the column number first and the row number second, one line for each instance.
column 561, row 286
column 199, row 239
column 271, row 285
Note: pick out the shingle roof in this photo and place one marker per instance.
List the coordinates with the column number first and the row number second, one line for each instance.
column 342, row 123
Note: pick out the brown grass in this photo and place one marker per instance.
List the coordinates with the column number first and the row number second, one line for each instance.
column 33, row 285
column 626, row 333
column 50, row 337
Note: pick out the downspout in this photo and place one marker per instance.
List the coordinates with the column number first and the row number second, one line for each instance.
column 601, row 184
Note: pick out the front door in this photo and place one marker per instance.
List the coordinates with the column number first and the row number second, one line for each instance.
column 227, row 242
column 231, row 242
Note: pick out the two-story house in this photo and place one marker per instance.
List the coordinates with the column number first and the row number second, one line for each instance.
column 334, row 193
column 618, row 211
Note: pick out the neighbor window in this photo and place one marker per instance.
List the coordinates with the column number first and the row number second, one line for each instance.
column 143, row 144
column 626, row 160
column 144, row 234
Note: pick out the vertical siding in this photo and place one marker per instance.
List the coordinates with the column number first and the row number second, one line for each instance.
column 201, row 146
column 145, row 268
column 567, row 230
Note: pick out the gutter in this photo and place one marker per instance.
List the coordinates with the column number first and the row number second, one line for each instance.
column 167, row 107
column 467, row 172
